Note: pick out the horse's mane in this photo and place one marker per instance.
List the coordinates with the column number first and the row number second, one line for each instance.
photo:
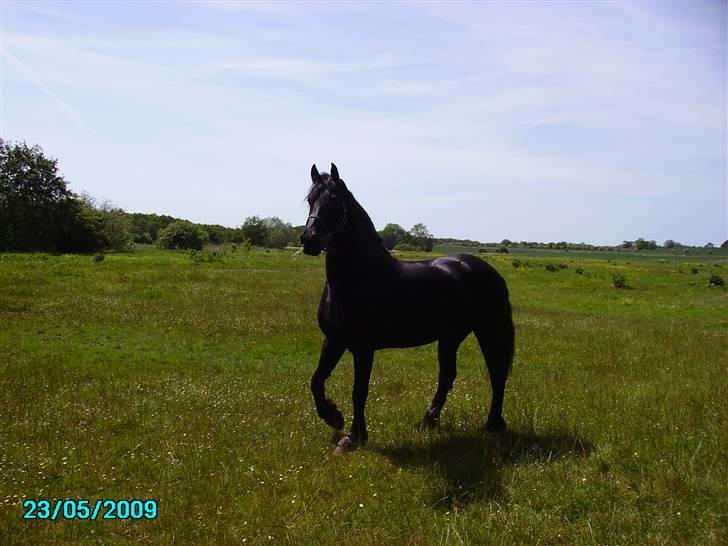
column 365, row 230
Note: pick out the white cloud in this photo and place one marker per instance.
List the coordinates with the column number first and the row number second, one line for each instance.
column 526, row 104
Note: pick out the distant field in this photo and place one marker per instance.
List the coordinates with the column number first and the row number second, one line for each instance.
column 150, row 376
column 715, row 254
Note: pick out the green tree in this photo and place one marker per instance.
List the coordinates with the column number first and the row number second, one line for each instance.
column 392, row 235
column 237, row 235
column 116, row 229
column 112, row 223
column 279, row 233
column 421, row 237
column 145, row 227
column 37, row 210
column 216, row 233
column 255, row 231
column 641, row 244
column 182, row 235
column 669, row 244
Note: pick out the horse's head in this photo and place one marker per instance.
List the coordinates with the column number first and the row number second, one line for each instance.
column 327, row 213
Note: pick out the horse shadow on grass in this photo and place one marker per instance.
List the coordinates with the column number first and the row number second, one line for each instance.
column 471, row 464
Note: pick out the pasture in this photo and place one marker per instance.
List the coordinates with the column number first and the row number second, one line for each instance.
column 152, row 375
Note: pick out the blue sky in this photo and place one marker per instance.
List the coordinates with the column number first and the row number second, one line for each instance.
column 594, row 121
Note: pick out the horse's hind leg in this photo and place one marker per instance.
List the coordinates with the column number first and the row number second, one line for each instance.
column 447, row 350
column 497, row 343
column 331, row 353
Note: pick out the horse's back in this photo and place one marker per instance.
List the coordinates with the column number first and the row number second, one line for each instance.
column 445, row 294
column 465, row 274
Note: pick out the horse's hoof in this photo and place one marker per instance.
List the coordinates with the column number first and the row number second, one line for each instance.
column 345, row 444
column 427, row 423
column 495, row 424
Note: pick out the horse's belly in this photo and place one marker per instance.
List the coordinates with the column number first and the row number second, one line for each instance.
column 409, row 330
column 404, row 320
column 401, row 339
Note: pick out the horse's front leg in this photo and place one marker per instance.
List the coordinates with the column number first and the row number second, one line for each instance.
column 331, row 352
column 362, row 372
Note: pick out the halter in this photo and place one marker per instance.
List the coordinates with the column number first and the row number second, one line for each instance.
column 330, row 234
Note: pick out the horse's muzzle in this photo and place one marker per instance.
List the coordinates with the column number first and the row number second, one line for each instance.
column 311, row 250
column 311, row 245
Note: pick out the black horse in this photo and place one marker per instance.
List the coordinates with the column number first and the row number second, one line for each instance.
column 372, row 301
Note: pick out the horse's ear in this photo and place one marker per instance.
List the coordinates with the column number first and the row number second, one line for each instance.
column 335, row 173
column 315, row 176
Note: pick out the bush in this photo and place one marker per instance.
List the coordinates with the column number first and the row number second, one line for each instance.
column 551, row 267
column 255, row 229
column 694, row 270
column 406, row 247
column 619, row 280
column 99, row 258
column 516, row 263
column 579, row 271
column 279, row 233
column 112, row 224
column 182, row 235
column 502, row 249
column 117, row 229
column 563, row 266
column 716, row 280
column 199, row 257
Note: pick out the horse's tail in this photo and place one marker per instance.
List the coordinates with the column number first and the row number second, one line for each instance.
column 495, row 331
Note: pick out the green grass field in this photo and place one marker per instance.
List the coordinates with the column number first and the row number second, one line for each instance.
column 149, row 376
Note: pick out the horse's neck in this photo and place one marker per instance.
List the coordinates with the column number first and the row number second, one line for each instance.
column 362, row 255
column 361, row 232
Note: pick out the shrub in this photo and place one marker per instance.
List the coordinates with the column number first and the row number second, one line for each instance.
column 182, row 235
column 694, row 270
column 563, row 266
column 579, row 271
column 116, row 228
column 199, row 257
column 99, row 258
column 255, row 229
column 716, row 280
column 406, row 247
column 502, row 249
column 551, row 267
column 516, row 263
column 618, row 280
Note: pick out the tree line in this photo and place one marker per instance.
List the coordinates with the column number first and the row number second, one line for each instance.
column 38, row 212
column 638, row 244
column 175, row 233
